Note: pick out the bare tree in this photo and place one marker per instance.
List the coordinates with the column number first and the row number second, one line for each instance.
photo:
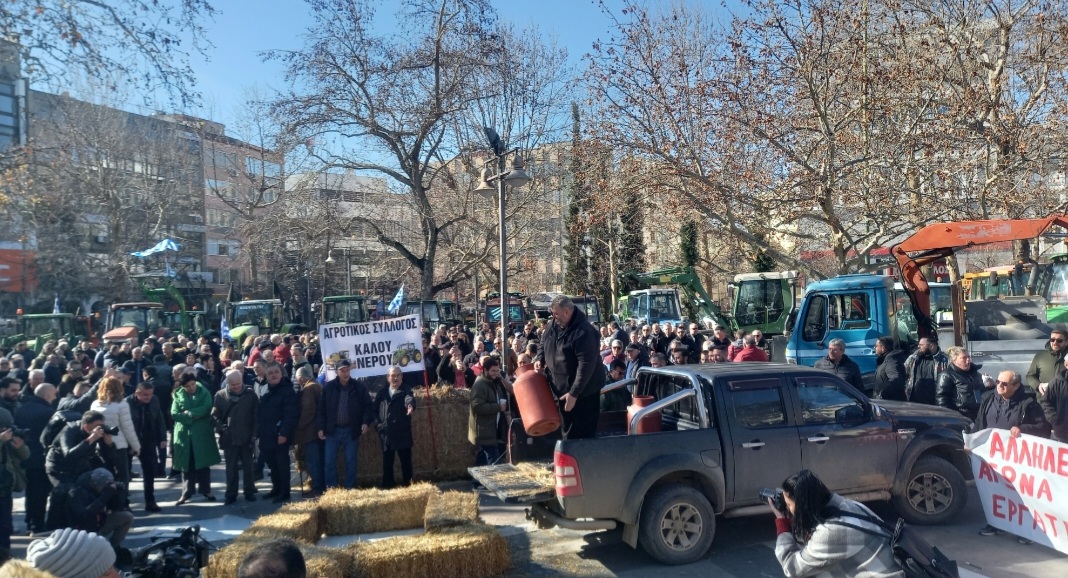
column 407, row 107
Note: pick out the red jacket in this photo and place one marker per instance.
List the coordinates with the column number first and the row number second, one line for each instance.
column 751, row 353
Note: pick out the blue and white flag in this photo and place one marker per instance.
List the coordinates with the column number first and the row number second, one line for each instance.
column 224, row 328
column 398, row 300
column 55, row 305
column 164, row 245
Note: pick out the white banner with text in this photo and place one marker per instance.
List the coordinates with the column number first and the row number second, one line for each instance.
column 373, row 346
column 1023, row 484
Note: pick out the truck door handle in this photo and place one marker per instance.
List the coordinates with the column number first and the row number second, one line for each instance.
column 753, row 445
column 819, row 439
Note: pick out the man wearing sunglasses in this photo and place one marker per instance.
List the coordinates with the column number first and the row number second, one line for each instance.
column 1044, row 366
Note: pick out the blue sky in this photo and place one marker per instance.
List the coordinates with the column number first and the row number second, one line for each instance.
column 246, row 27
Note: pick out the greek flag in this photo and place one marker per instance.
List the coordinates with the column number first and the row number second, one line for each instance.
column 224, row 328
column 398, row 299
column 55, row 305
column 164, row 245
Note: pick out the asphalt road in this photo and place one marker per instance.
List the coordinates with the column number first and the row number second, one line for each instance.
column 743, row 548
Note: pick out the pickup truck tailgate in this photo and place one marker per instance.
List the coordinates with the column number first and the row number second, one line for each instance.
column 524, row 483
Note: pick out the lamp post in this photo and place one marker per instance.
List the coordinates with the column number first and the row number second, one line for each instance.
column 348, row 269
column 515, row 178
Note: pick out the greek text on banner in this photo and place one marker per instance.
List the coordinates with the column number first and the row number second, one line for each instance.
column 1023, row 483
column 374, row 346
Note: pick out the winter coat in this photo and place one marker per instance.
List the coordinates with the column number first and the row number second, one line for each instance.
column 482, row 421
column 235, row 418
column 961, row 390
column 1055, row 405
column 890, row 376
column 447, row 373
column 71, row 455
column 572, row 357
column 361, row 407
column 117, row 414
column 921, row 376
column 34, row 416
column 750, row 353
column 1023, row 407
column 88, row 510
column 192, row 430
column 1044, row 367
column 846, row 368
column 836, row 550
column 148, row 420
column 308, row 421
column 392, row 420
column 278, row 413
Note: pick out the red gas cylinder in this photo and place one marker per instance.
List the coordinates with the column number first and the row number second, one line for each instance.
column 540, row 413
column 648, row 424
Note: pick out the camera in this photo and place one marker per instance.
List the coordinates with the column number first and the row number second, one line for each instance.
column 775, row 498
column 111, row 431
column 21, row 432
column 180, row 556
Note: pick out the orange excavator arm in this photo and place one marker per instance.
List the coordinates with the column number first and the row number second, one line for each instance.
column 935, row 242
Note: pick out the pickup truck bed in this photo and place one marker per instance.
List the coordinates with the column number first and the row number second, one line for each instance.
column 526, row 483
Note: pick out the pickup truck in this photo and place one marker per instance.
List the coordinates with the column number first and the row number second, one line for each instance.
column 727, row 431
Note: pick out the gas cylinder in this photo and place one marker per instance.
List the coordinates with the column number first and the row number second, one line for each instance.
column 540, row 413
column 648, row 424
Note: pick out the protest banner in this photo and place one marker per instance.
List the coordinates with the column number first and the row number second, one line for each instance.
column 373, row 346
column 1023, row 484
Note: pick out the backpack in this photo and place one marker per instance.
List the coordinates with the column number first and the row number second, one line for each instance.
column 916, row 556
column 55, row 425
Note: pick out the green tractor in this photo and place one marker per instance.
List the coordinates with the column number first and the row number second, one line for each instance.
column 407, row 353
column 37, row 328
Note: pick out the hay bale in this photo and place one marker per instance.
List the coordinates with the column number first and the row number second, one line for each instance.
column 440, row 453
column 321, row 562
column 299, row 526
column 450, row 509
column 365, row 511
column 470, row 551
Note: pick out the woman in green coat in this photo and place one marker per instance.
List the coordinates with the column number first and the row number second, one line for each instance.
column 195, row 450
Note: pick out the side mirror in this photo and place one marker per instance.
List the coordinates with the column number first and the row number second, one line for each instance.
column 849, row 413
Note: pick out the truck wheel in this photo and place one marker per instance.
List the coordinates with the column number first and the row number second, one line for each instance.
column 677, row 524
column 934, row 493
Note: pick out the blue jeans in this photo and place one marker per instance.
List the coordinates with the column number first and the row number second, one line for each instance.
column 342, row 436
column 487, row 455
column 313, row 460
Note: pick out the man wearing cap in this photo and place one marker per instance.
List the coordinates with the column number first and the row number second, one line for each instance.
column 125, row 375
column 345, row 412
column 96, row 504
column 70, row 553
column 634, row 360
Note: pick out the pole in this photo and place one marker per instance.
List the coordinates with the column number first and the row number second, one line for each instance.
column 505, row 301
column 348, row 274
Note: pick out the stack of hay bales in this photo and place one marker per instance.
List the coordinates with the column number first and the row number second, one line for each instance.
column 456, row 543
column 442, row 455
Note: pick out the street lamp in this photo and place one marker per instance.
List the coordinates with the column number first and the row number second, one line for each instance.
column 348, row 268
column 515, row 178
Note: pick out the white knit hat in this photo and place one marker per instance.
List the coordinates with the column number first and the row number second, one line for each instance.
column 70, row 553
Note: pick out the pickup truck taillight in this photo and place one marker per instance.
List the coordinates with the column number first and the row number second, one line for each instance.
column 568, row 480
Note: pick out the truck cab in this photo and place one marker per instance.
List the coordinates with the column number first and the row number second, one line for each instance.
column 429, row 311
column 343, row 309
column 128, row 321
column 648, row 306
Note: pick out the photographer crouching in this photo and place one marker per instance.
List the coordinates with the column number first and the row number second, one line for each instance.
column 813, row 540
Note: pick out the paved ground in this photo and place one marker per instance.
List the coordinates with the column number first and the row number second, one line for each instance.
column 743, row 548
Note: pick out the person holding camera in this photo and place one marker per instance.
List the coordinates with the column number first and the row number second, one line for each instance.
column 12, row 478
column 195, row 450
column 97, row 504
column 822, row 534
column 234, row 413
column 111, row 403
column 79, row 448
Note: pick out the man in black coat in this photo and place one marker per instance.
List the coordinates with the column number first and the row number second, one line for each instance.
column 234, row 412
column 278, row 413
column 573, row 366
column 345, row 412
column 147, row 415
column 95, row 504
column 889, row 371
column 77, row 449
column 34, row 416
column 395, row 406
column 838, row 363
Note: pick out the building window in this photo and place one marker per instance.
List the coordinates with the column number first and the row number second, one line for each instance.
column 259, row 168
column 8, row 115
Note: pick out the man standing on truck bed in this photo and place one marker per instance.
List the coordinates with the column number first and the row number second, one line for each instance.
column 573, row 367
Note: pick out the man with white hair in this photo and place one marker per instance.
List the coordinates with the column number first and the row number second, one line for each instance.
column 235, row 409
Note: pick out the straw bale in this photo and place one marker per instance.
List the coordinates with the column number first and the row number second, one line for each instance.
column 366, row 511
column 471, row 551
column 450, row 509
column 322, row 562
column 440, row 453
column 299, row 526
